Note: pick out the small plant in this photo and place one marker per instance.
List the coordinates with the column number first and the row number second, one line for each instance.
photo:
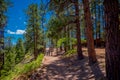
column 65, row 41
column 70, row 53
column 21, row 69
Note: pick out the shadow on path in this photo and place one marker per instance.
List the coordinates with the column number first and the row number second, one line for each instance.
column 67, row 69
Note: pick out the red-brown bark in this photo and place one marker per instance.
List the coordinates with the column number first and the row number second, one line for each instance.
column 89, row 35
column 78, row 35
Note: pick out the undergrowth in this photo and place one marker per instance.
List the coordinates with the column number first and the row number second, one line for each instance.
column 70, row 53
column 23, row 68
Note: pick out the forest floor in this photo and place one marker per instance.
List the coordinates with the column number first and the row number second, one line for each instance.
column 56, row 67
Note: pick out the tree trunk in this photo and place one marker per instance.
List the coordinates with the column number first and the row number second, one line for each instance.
column 78, row 36
column 1, row 48
column 112, row 39
column 35, row 45
column 89, row 36
column 1, row 62
column 99, row 22
column 95, row 22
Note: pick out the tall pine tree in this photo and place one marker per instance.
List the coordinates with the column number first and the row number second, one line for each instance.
column 20, row 51
column 88, row 28
column 3, row 9
column 112, row 39
column 33, row 35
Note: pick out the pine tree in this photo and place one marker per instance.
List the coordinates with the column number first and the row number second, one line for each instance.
column 78, row 35
column 9, row 56
column 33, row 35
column 20, row 51
column 112, row 39
column 88, row 28
column 3, row 9
column 60, row 6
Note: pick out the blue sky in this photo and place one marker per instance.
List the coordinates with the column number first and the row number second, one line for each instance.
column 16, row 23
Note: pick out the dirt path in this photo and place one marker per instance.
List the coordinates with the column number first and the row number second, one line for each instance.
column 57, row 68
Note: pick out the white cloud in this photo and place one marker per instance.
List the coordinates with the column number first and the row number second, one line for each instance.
column 10, row 32
column 18, row 32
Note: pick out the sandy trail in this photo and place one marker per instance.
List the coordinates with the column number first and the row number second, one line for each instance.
column 57, row 68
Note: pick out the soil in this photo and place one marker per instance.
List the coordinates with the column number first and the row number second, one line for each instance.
column 55, row 67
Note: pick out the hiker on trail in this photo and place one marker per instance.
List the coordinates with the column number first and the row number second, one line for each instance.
column 49, row 51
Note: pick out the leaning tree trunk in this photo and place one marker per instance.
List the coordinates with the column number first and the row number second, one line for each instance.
column 112, row 40
column 78, row 36
column 89, row 36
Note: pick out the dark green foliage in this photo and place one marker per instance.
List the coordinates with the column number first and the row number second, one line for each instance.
column 70, row 53
column 64, row 41
column 9, row 60
column 3, row 9
column 20, row 51
column 20, row 69
column 33, row 35
column 12, row 55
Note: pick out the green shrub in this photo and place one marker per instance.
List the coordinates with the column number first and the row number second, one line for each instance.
column 23, row 68
column 83, row 41
column 64, row 41
column 9, row 61
column 70, row 52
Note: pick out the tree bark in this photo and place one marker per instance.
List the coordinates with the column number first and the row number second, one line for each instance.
column 89, row 36
column 35, row 44
column 78, row 35
column 1, row 62
column 1, row 48
column 96, row 23
column 99, row 22
column 112, row 39
column 68, row 35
